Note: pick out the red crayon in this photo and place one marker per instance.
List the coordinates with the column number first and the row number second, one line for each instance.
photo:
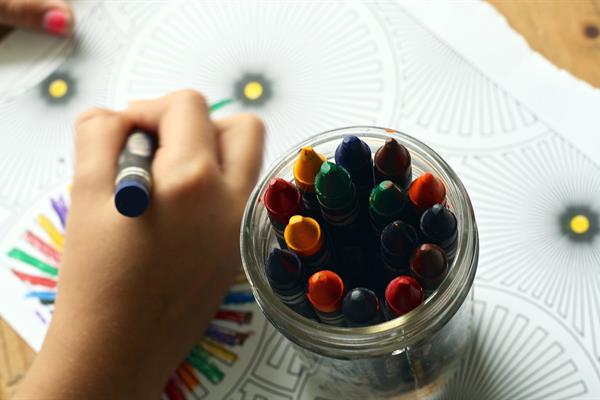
column 325, row 293
column 282, row 201
column 402, row 295
column 429, row 265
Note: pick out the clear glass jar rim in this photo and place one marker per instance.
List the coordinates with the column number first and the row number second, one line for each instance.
column 395, row 334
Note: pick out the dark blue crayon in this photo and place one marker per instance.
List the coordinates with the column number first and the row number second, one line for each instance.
column 288, row 281
column 355, row 156
column 361, row 308
column 398, row 242
column 349, row 233
column 133, row 183
column 238, row 298
column 438, row 225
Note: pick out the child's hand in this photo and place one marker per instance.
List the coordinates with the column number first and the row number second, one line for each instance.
column 135, row 294
column 52, row 16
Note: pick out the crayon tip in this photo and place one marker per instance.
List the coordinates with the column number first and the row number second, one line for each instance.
column 426, row 190
column 399, row 238
column 325, row 291
column 386, row 199
column 438, row 222
column 131, row 198
column 403, row 294
column 303, row 235
column 430, row 265
column 393, row 160
column 306, row 168
column 353, row 153
column 333, row 184
column 360, row 306
column 284, row 269
column 282, row 200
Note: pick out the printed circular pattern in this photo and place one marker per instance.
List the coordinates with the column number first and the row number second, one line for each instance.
column 320, row 65
column 537, row 210
column 521, row 352
column 444, row 99
column 38, row 124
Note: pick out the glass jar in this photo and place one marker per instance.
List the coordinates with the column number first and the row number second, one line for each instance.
column 412, row 356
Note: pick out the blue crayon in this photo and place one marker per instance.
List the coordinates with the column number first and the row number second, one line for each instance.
column 133, row 183
column 348, row 231
column 42, row 296
column 398, row 242
column 361, row 307
column 238, row 298
column 288, row 281
column 355, row 156
column 438, row 225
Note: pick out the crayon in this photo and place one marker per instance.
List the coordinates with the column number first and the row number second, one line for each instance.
column 402, row 295
column 386, row 205
column 43, row 247
column 361, row 308
column 282, row 201
column 398, row 242
column 227, row 336
column 339, row 206
column 35, row 280
column 288, row 281
column 238, row 298
column 304, row 237
column 429, row 266
column 185, row 379
column 305, row 170
column 392, row 162
column 186, row 374
column 355, row 156
column 438, row 225
column 239, row 317
column 325, row 293
column 424, row 192
column 133, row 183
column 20, row 255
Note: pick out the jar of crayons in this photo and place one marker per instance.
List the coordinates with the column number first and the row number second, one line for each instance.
column 361, row 248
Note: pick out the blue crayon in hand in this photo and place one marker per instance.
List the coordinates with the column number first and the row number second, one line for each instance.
column 355, row 156
column 288, row 281
column 361, row 307
column 133, row 183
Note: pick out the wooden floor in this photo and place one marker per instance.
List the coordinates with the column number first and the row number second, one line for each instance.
column 567, row 32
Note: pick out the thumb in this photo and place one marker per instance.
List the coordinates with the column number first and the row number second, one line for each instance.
column 52, row 16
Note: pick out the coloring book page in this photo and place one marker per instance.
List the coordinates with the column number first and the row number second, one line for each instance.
column 530, row 162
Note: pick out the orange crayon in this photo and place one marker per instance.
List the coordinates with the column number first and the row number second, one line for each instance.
column 306, row 168
column 304, row 237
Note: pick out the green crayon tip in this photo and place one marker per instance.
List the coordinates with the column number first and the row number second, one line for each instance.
column 333, row 185
column 386, row 202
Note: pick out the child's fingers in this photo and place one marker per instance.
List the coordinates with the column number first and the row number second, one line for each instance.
column 99, row 139
column 241, row 140
column 181, row 121
column 52, row 16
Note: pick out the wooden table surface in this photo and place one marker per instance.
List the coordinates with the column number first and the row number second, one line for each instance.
column 567, row 32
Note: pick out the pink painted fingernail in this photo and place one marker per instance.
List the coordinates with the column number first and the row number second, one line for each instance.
column 56, row 22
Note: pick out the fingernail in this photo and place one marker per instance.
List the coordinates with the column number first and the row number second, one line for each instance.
column 56, row 22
